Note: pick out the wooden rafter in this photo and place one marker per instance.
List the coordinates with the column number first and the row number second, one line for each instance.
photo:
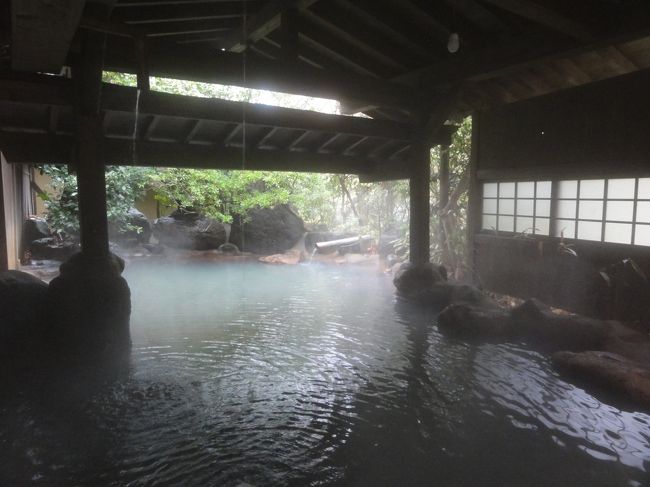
column 228, row 68
column 539, row 14
column 261, row 23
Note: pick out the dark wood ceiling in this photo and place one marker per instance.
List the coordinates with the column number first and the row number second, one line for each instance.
column 386, row 58
column 509, row 49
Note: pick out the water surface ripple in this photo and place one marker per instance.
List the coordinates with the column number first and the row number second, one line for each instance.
column 308, row 375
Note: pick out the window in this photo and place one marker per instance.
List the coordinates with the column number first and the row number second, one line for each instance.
column 522, row 207
column 604, row 210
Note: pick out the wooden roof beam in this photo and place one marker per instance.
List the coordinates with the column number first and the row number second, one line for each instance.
column 539, row 14
column 509, row 57
column 59, row 149
column 179, row 13
column 211, row 66
column 359, row 41
column 385, row 28
column 42, row 31
column 261, row 23
column 121, row 98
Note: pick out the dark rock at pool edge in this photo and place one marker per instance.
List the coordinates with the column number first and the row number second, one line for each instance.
column 90, row 305
column 604, row 369
column 189, row 230
column 267, row 230
column 22, row 309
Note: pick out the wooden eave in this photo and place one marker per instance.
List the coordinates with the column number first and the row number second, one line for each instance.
column 37, row 125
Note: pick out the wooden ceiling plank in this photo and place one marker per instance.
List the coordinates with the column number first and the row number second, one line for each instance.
column 193, row 126
column 42, row 31
column 261, row 23
column 38, row 148
column 574, row 74
column 542, row 15
column 320, row 27
column 422, row 17
column 293, row 146
column 478, row 15
column 384, row 28
column 336, row 57
column 178, row 13
column 206, row 65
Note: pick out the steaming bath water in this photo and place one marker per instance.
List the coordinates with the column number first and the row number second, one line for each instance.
column 311, row 375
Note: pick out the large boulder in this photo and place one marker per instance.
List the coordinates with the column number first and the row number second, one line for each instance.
column 35, row 228
column 475, row 322
column 628, row 379
column 51, row 248
column 22, row 305
column 140, row 234
column 411, row 279
column 90, row 306
column 189, row 230
column 267, row 230
column 535, row 321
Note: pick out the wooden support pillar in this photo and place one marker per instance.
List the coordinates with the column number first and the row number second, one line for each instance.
column 474, row 207
column 443, row 176
column 419, row 204
column 443, row 201
column 91, row 180
column 4, row 250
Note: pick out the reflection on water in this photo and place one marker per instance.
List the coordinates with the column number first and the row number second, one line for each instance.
column 309, row 375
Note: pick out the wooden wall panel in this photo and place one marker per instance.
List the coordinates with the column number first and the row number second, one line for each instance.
column 599, row 129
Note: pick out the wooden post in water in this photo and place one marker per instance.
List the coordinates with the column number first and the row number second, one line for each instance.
column 419, row 203
column 91, row 180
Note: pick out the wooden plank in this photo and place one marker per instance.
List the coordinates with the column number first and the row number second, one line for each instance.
column 261, row 23
column 339, row 58
column 196, row 64
column 356, row 41
column 121, row 98
column 193, row 127
column 185, row 12
column 383, row 27
column 510, row 56
column 542, row 15
column 4, row 248
column 32, row 148
column 263, row 143
column 42, row 31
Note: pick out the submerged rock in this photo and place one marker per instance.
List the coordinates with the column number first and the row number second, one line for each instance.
column 614, row 372
column 53, row 249
column 291, row 257
column 90, row 307
column 189, row 230
column 471, row 321
column 267, row 230
column 411, row 279
column 535, row 321
column 22, row 300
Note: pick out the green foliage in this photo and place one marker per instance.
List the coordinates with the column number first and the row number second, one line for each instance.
column 124, row 185
column 222, row 194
